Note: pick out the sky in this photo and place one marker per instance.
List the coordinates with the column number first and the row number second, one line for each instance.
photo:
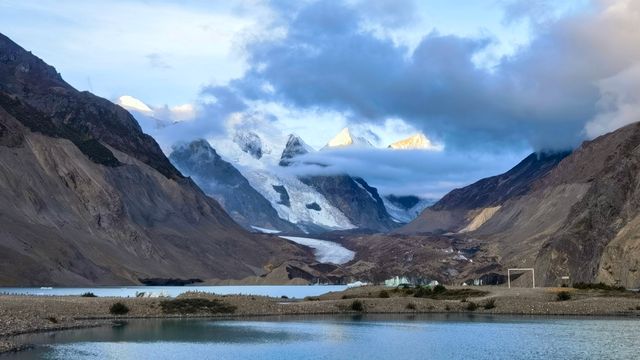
column 489, row 81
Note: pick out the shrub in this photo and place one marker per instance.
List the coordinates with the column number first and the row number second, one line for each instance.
column 88, row 294
column 439, row 289
column 384, row 294
column 284, row 297
column 52, row 320
column 196, row 305
column 447, row 307
column 422, row 292
column 118, row 309
column 411, row 306
column 490, row 304
column 357, row 305
column 563, row 296
column 637, row 307
column 598, row 286
column 312, row 298
column 463, row 300
column 471, row 306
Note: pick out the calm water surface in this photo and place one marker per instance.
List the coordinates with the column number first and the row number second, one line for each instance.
column 291, row 291
column 339, row 337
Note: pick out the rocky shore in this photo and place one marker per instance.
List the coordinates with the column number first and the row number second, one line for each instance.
column 28, row 314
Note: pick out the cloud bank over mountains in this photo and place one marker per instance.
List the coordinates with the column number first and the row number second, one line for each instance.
column 576, row 78
column 570, row 82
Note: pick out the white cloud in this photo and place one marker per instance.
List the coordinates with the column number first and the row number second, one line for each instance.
column 619, row 103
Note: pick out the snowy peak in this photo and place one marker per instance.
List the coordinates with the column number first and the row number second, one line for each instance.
column 415, row 142
column 133, row 104
column 250, row 143
column 200, row 151
column 344, row 138
column 294, row 148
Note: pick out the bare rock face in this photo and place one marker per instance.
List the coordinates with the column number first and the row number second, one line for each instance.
column 87, row 198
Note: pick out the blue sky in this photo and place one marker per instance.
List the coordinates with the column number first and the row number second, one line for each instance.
column 491, row 80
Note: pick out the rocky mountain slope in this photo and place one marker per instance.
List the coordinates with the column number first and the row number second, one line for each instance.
column 88, row 198
column 575, row 216
column 460, row 207
column 222, row 181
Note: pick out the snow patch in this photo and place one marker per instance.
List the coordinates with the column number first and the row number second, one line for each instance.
column 265, row 231
column 325, row 251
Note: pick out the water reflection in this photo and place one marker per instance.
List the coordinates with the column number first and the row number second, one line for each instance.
column 446, row 336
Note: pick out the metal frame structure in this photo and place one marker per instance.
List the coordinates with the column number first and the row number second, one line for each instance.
column 533, row 275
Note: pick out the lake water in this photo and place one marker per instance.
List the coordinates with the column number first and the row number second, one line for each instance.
column 291, row 291
column 348, row 337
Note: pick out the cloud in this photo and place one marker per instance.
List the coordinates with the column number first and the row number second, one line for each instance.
column 410, row 172
column 542, row 96
column 157, row 61
column 619, row 103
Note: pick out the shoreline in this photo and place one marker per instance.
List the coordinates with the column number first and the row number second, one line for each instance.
column 24, row 315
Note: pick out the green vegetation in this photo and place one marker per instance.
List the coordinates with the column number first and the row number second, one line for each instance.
column 357, row 305
column 88, row 294
column 119, row 309
column 471, row 306
column 490, row 304
column 563, row 296
column 196, row 305
column 384, row 294
column 598, row 286
column 440, row 292
column 313, row 298
column 439, row 289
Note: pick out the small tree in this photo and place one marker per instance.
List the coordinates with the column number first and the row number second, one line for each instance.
column 563, row 296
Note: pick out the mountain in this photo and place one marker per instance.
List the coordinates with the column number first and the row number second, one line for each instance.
column 414, row 142
column 295, row 147
column 88, row 198
column 571, row 215
column 344, row 139
column 404, row 209
column 257, row 157
column 358, row 201
column 311, row 203
column 460, row 207
column 222, row 181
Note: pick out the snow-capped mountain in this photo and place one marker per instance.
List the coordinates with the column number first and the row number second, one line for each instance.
column 151, row 118
column 294, row 148
column 294, row 201
column 414, row 142
column 222, row 181
column 345, row 138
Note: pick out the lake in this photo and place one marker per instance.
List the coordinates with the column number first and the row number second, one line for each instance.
column 459, row 336
column 291, row 291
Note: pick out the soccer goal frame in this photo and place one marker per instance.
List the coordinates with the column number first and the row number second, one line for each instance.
column 533, row 275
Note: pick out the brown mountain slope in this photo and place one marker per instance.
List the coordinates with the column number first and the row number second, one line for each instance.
column 580, row 218
column 460, row 207
column 87, row 198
